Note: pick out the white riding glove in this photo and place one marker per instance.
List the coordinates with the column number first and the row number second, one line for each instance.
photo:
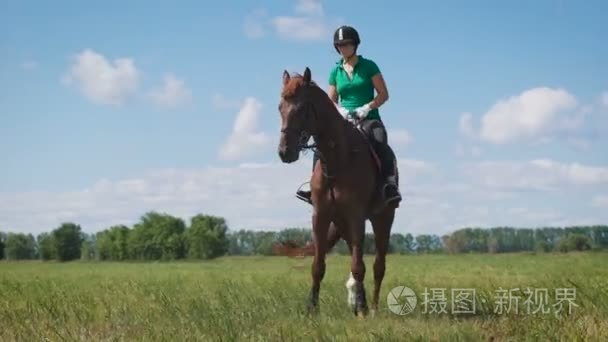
column 363, row 111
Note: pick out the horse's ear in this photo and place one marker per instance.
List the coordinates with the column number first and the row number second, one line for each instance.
column 285, row 77
column 307, row 76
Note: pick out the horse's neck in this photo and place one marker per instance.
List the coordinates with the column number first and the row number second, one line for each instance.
column 333, row 140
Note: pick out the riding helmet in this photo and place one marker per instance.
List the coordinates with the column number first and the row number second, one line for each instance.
column 346, row 34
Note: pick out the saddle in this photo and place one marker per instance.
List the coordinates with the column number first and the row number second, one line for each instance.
column 372, row 150
column 378, row 202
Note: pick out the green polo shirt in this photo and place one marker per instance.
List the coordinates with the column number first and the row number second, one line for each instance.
column 360, row 89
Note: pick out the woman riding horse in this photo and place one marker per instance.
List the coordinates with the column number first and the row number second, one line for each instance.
column 353, row 80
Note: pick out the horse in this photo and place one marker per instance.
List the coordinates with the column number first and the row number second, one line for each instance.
column 344, row 184
column 292, row 249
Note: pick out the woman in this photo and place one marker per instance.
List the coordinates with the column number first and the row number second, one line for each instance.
column 353, row 81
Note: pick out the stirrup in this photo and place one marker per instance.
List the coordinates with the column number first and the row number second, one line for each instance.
column 394, row 199
column 303, row 194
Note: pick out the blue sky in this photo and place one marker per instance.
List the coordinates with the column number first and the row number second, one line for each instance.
column 498, row 112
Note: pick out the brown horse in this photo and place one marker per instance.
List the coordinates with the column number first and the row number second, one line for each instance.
column 344, row 185
column 292, row 249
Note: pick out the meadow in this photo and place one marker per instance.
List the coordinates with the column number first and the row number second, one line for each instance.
column 263, row 298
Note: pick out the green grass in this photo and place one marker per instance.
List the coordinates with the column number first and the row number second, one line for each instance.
column 263, row 298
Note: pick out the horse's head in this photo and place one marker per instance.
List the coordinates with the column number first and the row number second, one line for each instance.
column 297, row 115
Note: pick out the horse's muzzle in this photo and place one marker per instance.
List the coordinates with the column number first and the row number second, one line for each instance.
column 289, row 150
column 288, row 155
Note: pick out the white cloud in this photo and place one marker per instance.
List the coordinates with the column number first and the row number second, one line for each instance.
column 400, row 137
column 476, row 151
column 102, row 81
column 459, row 150
column 254, row 24
column 533, row 114
column 535, row 175
column 262, row 196
column 467, row 129
column 580, row 143
column 309, row 7
column 531, row 217
column 600, row 201
column 29, row 65
column 309, row 24
column 604, row 99
column 301, row 28
column 465, row 124
column 410, row 169
column 249, row 196
column 219, row 101
column 463, row 150
column 573, row 173
column 245, row 139
column 538, row 116
column 173, row 94
column 527, row 115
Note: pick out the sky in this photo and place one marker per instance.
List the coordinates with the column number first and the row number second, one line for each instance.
column 498, row 112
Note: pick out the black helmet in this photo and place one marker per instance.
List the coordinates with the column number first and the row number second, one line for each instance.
column 346, row 34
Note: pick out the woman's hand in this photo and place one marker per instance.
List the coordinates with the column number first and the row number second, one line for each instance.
column 363, row 111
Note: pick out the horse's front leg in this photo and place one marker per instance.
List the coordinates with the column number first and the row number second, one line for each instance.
column 320, row 226
column 382, row 224
column 357, row 229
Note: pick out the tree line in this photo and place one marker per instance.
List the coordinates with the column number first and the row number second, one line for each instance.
column 160, row 236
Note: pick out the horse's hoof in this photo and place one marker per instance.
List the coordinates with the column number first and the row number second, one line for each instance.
column 312, row 309
column 361, row 312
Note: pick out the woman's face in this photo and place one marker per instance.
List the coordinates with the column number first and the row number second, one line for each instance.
column 346, row 50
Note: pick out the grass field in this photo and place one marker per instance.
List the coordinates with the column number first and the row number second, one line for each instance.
column 263, row 298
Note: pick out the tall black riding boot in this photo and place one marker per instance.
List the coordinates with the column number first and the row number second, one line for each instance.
column 390, row 188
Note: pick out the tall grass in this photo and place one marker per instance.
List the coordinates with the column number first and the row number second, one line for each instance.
column 264, row 298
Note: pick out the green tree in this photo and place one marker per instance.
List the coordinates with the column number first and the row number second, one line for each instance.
column 68, row 241
column 46, row 246
column 2, row 244
column 207, row 237
column 396, row 243
column 574, row 242
column 341, row 248
column 369, row 244
column 158, row 237
column 423, row 243
column 264, row 241
column 241, row 242
column 298, row 235
column 88, row 249
column 409, row 243
column 113, row 243
column 600, row 236
column 19, row 246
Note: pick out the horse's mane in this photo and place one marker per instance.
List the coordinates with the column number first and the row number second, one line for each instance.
column 297, row 80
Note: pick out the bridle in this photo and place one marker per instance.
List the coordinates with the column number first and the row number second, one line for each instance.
column 305, row 134
column 308, row 110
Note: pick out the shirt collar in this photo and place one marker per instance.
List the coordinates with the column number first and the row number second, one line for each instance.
column 340, row 61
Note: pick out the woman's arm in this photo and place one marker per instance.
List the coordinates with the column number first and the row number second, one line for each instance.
column 381, row 89
column 333, row 94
